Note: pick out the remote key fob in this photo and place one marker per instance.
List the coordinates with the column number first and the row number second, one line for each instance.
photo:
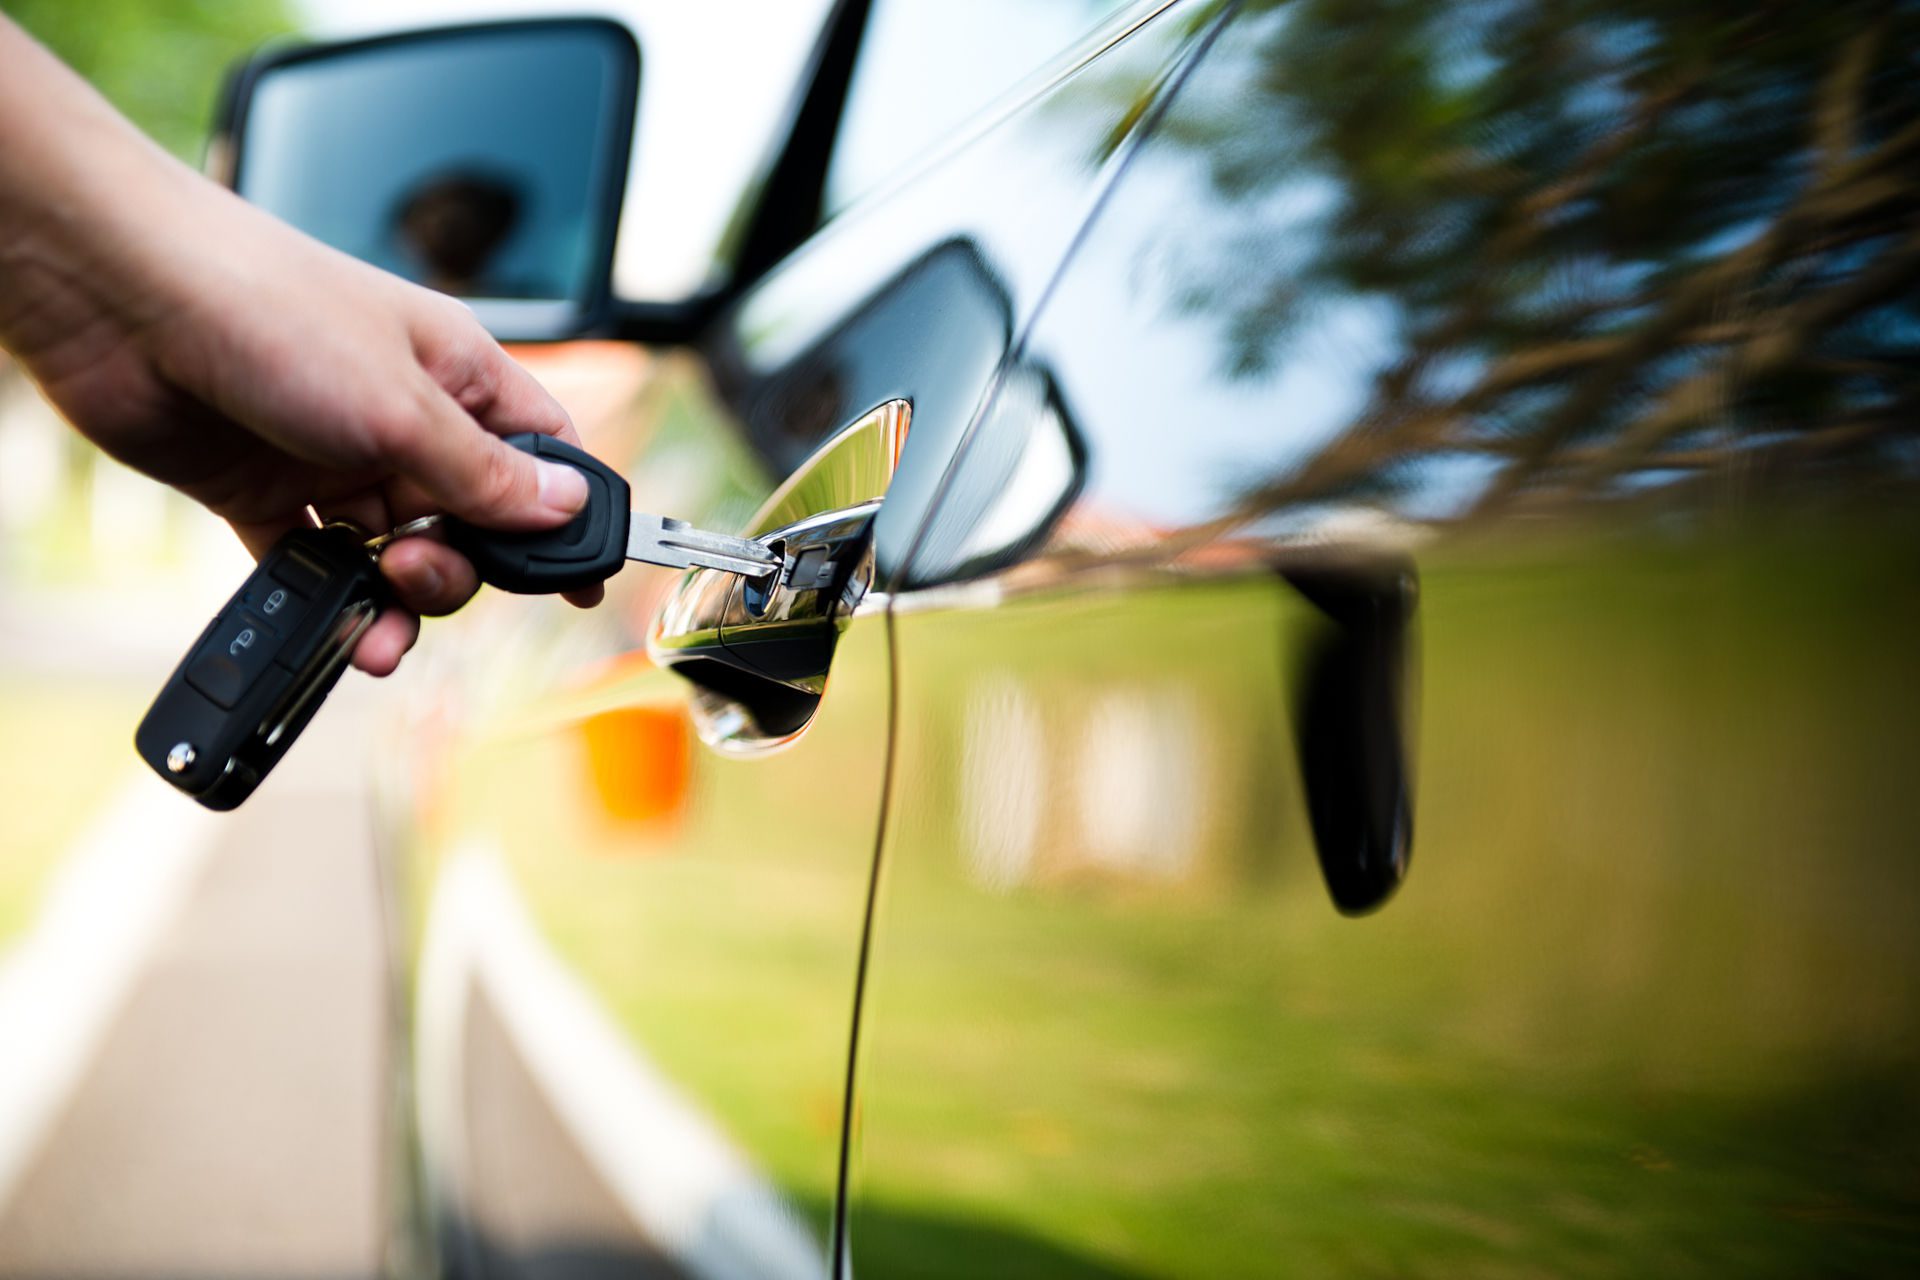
column 590, row 548
column 262, row 667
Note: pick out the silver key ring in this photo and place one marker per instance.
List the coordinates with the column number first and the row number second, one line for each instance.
column 407, row 530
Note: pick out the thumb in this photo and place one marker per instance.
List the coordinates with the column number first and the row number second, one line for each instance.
column 472, row 473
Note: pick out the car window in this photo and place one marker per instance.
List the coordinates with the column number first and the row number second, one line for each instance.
column 924, row 69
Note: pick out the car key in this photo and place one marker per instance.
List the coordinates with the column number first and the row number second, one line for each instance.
column 262, row 667
column 595, row 544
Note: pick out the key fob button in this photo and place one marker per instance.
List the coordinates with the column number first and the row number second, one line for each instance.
column 278, row 604
column 227, row 663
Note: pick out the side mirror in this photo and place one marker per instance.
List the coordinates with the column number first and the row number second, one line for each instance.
column 488, row 162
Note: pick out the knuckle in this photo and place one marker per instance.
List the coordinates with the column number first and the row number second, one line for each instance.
column 501, row 478
column 478, row 385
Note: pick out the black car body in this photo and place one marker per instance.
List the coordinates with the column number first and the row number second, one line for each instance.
column 1372, row 730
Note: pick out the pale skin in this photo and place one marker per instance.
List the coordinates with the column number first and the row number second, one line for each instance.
column 254, row 369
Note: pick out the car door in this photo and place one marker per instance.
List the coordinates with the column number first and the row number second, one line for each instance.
column 642, row 877
column 1404, row 705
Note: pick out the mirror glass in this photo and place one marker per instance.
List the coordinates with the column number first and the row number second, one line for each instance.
column 486, row 162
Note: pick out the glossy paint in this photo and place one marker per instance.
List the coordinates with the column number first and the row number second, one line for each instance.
column 1542, row 315
column 709, row 932
column 1384, row 742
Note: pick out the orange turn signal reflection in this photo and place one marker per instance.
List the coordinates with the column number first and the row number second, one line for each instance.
column 639, row 762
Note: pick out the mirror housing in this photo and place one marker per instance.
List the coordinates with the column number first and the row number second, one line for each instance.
column 737, row 218
column 488, row 161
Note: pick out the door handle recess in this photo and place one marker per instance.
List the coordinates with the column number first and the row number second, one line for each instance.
column 757, row 653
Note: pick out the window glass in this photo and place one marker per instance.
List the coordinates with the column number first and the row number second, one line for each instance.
column 925, row 68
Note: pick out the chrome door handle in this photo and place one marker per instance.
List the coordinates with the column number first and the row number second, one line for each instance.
column 758, row 652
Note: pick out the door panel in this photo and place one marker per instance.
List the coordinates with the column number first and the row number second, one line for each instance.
column 665, row 934
column 721, row 933
column 664, row 940
column 1645, row 1002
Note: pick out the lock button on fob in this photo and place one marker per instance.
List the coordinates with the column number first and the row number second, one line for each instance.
column 232, row 657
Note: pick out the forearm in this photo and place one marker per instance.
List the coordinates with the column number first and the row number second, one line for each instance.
column 80, row 190
column 258, row 371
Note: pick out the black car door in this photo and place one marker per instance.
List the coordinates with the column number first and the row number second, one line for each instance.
column 646, row 888
column 1404, row 704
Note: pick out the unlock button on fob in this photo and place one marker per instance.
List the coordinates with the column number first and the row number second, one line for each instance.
column 280, row 607
column 238, row 648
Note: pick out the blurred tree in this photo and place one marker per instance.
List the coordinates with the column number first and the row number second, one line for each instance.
column 160, row 61
column 1612, row 238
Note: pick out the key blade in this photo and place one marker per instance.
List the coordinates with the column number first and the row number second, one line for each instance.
column 675, row 544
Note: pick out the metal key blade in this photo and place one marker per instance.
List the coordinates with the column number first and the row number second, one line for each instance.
column 675, row 544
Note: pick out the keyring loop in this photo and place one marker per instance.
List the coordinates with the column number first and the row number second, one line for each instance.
column 418, row 525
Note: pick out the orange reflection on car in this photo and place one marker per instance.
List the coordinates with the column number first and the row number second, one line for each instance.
column 638, row 764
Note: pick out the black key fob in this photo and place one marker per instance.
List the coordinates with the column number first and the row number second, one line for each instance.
column 589, row 548
column 261, row 669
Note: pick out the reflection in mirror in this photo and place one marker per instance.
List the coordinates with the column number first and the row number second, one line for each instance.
column 453, row 225
column 1021, row 469
column 485, row 162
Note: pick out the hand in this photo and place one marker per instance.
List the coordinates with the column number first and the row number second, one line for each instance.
column 259, row 372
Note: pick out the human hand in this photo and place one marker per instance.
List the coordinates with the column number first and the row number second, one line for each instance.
column 261, row 373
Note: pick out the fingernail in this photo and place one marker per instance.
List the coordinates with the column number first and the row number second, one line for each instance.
column 562, row 488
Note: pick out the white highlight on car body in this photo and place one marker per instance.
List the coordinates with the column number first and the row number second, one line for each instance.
column 106, row 908
column 688, row 1190
column 1004, row 782
column 1142, row 777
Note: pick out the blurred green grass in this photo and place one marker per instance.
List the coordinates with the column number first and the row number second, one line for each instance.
column 54, row 734
column 1647, row 1004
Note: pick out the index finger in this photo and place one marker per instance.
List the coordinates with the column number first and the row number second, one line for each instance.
column 491, row 385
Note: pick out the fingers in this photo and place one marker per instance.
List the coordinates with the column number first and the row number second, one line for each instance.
column 448, row 443
column 463, row 358
column 586, row 597
column 386, row 641
column 259, row 536
column 369, row 510
column 467, row 470
column 429, row 577
column 457, row 580
column 507, row 399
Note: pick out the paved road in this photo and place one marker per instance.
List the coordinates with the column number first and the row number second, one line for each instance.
column 232, row 1121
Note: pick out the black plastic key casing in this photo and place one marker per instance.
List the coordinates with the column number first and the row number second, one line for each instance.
column 590, row 548
column 262, row 667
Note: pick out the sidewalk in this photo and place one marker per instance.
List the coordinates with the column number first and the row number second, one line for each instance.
column 231, row 1120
